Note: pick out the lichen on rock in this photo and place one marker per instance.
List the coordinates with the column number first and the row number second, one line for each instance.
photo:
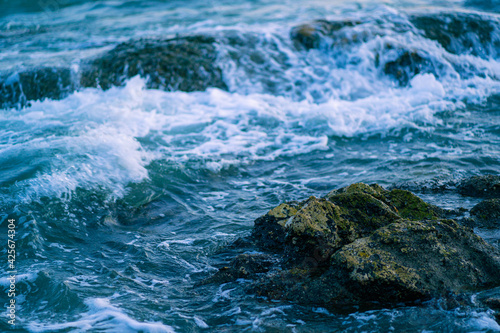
column 365, row 245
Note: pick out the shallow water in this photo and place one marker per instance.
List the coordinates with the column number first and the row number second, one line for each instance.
column 125, row 198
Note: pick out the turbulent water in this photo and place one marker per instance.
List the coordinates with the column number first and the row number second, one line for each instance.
column 125, row 198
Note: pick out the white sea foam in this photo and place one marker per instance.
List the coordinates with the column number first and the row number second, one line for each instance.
column 29, row 277
column 103, row 316
column 290, row 104
column 96, row 136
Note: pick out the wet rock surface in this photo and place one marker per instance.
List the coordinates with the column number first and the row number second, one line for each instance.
column 17, row 89
column 312, row 35
column 462, row 32
column 244, row 266
column 184, row 63
column 365, row 246
column 408, row 64
column 480, row 186
column 487, row 213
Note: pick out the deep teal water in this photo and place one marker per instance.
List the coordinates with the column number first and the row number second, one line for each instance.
column 125, row 198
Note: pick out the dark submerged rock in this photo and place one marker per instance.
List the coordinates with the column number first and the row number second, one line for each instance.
column 409, row 64
column 312, row 35
column 243, row 266
column 186, row 64
column 461, row 33
column 17, row 89
column 332, row 35
column 487, row 213
column 365, row 245
column 480, row 186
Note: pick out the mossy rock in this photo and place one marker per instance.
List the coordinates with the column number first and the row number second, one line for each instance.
column 184, row 63
column 363, row 245
column 313, row 231
column 404, row 261
column 363, row 207
column 374, row 190
column 269, row 230
column 409, row 206
column 320, row 227
column 416, row 260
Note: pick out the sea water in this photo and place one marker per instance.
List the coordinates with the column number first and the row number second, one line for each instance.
column 125, row 198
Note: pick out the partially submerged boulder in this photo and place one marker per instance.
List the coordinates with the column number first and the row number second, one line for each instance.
column 17, row 89
column 408, row 64
column 184, row 63
column 461, row 32
column 486, row 186
column 487, row 213
column 312, row 35
column 365, row 245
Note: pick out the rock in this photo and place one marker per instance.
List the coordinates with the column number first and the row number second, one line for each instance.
column 366, row 246
column 409, row 64
column 245, row 266
column 17, row 89
column 184, row 63
column 315, row 231
column 394, row 204
column 312, row 35
column 269, row 230
column 487, row 213
column 409, row 206
column 480, row 186
column 404, row 261
column 461, row 33
column 493, row 303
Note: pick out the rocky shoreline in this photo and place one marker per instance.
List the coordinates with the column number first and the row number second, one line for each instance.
column 363, row 246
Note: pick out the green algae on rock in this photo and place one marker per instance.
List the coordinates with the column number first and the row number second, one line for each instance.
column 365, row 245
column 269, row 230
